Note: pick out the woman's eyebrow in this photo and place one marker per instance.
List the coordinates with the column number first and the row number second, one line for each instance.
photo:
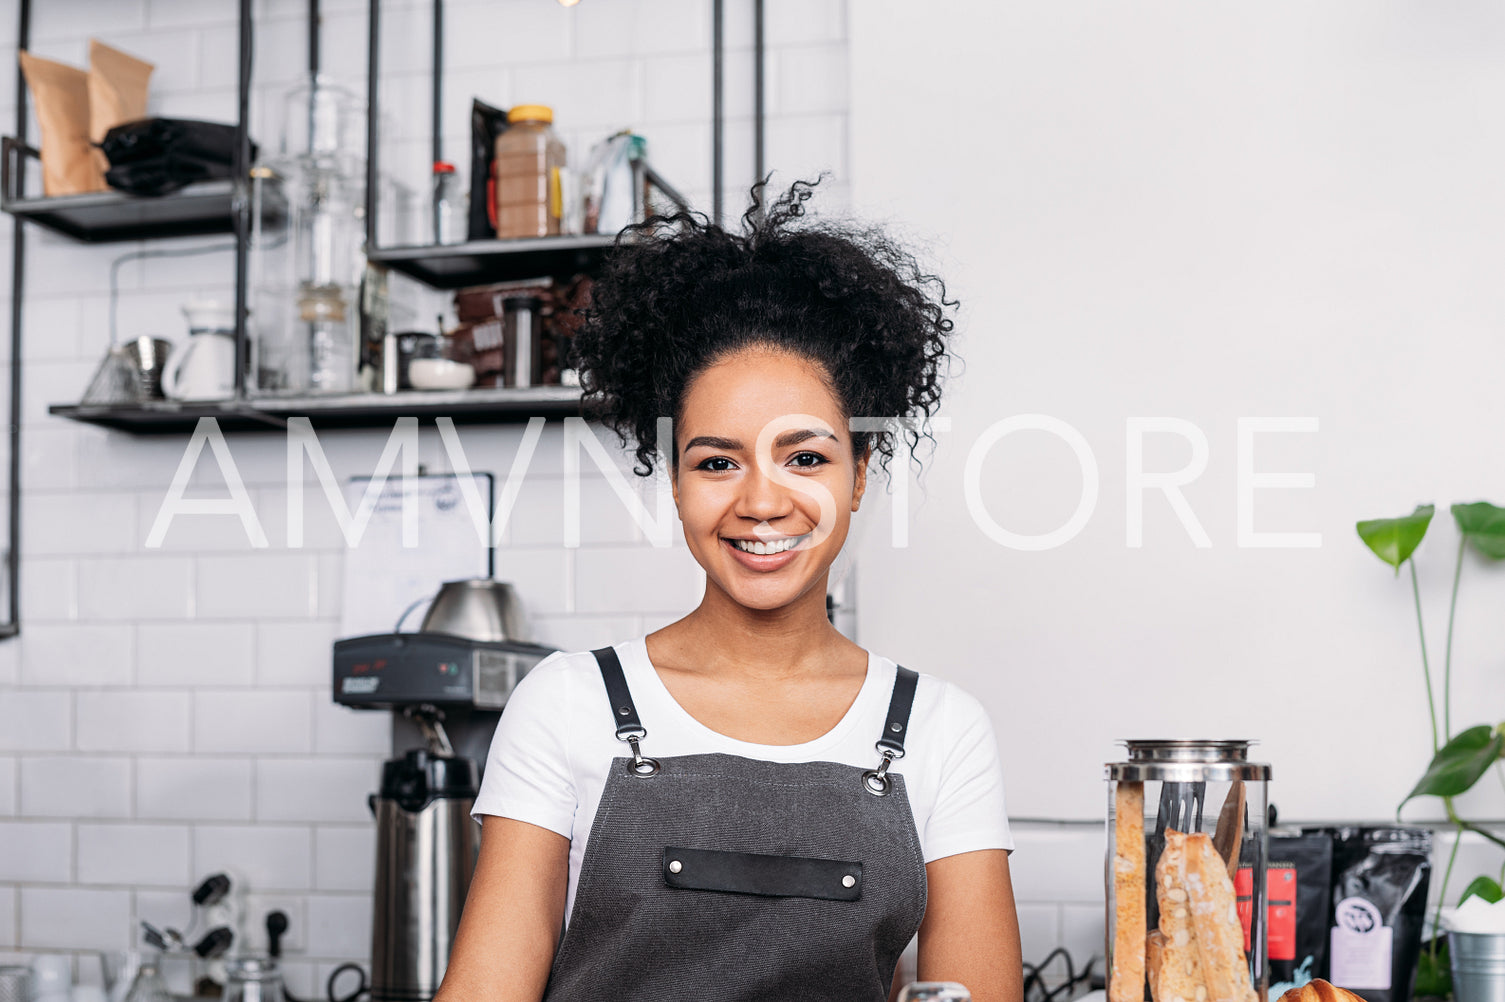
column 792, row 438
column 713, row 442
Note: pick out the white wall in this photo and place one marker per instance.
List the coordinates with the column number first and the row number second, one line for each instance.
column 167, row 712
column 1208, row 212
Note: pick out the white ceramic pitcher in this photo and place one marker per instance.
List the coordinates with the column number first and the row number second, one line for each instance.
column 203, row 367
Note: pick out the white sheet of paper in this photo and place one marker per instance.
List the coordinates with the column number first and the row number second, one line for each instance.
column 383, row 577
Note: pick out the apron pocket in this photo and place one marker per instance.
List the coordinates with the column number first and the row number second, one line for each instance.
column 759, row 873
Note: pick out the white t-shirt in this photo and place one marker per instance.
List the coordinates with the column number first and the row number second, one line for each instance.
column 556, row 740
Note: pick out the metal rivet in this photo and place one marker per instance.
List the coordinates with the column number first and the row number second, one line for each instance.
column 675, row 866
column 896, row 727
column 624, row 710
column 849, row 881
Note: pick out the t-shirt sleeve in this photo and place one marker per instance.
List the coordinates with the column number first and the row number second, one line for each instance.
column 969, row 811
column 528, row 775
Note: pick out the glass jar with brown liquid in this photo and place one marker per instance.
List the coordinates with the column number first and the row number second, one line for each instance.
column 529, row 157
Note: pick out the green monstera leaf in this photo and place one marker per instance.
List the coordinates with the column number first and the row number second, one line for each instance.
column 1393, row 540
column 1483, row 525
column 1458, row 764
column 1485, row 887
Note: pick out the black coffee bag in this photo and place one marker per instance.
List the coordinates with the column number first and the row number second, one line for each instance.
column 1379, row 900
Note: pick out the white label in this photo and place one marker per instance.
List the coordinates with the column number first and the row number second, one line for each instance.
column 359, row 685
column 1361, row 946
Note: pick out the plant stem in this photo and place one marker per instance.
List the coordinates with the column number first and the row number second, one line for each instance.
column 1447, row 658
column 1483, row 832
column 1426, row 669
column 1447, row 874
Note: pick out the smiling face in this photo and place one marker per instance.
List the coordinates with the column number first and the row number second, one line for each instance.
column 765, row 479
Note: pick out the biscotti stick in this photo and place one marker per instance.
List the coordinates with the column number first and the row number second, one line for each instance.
column 1127, row 983
column 1218, row 932
column 1154, row 958
column 1180, row 978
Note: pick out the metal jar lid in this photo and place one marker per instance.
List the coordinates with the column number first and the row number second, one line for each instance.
column 1187, row 762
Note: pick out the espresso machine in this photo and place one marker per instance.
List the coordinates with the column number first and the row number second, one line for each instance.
column 445, row 686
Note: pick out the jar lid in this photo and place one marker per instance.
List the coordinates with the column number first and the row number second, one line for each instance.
column 530, row 113
column 1180, row 761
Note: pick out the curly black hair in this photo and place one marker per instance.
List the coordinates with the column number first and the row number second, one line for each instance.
column 678, row 294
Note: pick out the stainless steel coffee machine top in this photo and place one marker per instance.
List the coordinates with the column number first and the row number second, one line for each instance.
column 478, row 608
column 470, row 652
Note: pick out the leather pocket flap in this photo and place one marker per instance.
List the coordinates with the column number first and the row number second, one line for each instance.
column 759, row 873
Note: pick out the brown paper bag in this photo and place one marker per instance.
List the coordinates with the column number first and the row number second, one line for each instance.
column 117, row 92
column 61, row 94
column 117, row 88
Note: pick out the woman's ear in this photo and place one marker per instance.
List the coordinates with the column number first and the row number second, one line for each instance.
column 859, row 482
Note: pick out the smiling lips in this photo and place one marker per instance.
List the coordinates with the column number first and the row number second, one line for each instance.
column 771, row 546
column 756, row 554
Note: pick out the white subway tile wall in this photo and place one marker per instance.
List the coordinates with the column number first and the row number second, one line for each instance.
column 149, row 855
column 77, row 918
column 7, row 786
column 8, row 908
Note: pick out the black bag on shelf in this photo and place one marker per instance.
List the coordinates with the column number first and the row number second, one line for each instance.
column 486, row 123
column 157, row 156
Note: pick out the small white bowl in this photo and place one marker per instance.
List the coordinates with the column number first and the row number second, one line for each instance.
column 440, row 374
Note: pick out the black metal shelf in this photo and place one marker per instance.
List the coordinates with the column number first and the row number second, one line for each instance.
column 202, row 209
column 357, row 410
column 482, row 262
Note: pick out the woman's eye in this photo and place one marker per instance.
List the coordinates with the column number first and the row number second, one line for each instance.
column 715, row 464
column 808, row 459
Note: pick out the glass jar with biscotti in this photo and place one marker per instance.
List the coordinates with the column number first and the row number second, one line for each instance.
column 1188, row 915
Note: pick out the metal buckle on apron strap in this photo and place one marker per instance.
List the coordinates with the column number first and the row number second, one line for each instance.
column 876, row 781
column 641, row 765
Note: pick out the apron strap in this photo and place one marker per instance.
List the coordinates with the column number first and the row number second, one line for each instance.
column 623, row 710
column 899, row 705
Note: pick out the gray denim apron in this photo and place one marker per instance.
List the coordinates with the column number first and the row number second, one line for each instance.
column 718, row 877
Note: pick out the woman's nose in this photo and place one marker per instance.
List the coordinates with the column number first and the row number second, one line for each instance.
column 763, row 498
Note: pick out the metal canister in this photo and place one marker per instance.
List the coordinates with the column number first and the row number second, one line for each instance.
column 426, row 849
column 1210, row 793
column 1478, row 963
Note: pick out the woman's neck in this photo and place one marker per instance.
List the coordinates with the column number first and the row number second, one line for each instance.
column 722, row 636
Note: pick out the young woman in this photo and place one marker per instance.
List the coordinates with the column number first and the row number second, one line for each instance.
column 745, row 805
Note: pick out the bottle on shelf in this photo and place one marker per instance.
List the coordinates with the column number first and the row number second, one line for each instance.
column 451, row 207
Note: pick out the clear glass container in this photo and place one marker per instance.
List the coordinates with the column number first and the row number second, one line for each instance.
column 307, row 246
column 324, row 123
column 1186, row 873
column 252, row 979
column 148, row 985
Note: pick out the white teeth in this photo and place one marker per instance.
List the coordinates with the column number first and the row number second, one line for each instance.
column 764, row 549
